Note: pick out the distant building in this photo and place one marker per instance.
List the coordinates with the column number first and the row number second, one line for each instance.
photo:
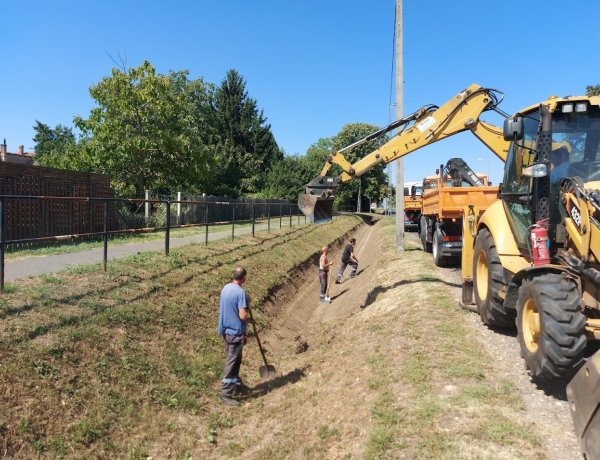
column 21, row 157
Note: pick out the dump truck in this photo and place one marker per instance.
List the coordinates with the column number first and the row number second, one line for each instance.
column 413, row 200
column 532, row 259
column 445, row 196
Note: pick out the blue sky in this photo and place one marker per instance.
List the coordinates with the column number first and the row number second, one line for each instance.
column 313, row 66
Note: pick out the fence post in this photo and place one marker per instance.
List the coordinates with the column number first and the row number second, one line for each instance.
column 206, row 222
column 147, row 207
column 105, row 236
column 233, row 222
column 178, row 208
column 280, row 215
column 2, row 239
column 168, row 230
column 269, row 217
column 290, row 211
column 253, row 220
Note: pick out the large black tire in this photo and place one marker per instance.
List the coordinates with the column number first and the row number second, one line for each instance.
column 488, row 280
column 551, row 327
column 423, row 234
column 438, row 259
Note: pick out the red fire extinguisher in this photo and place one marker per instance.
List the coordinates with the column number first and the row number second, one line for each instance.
column 540, row 245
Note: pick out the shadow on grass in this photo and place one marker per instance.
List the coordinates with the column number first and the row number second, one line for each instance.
column 372, row 296
column 339, row 294
column 266, row 387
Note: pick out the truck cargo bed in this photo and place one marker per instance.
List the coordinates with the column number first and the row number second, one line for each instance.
column 448, row 202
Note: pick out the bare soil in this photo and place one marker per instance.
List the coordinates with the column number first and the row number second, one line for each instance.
column 321, row 405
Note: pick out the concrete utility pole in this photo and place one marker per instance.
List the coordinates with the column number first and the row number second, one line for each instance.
column 399, row 110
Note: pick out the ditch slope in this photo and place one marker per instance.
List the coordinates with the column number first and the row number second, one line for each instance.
column 392, row 368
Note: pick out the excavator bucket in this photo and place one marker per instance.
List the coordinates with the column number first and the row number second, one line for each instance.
column 583, row 392
column 317, row 209
column 317, row 202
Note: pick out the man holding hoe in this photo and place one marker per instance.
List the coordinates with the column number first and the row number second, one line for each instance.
column 324, row 265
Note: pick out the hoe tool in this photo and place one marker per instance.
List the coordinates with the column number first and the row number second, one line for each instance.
column 267, row 370
column 327, row 299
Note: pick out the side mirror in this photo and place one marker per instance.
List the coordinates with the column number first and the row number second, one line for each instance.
column 513, row 129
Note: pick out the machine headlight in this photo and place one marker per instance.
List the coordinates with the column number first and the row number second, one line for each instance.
column 581, row 107
column 536, row 170
column 567, row 108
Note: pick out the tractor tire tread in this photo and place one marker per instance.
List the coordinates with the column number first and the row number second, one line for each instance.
column 562, row 340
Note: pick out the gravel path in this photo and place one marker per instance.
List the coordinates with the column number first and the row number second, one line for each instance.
column 549, row 411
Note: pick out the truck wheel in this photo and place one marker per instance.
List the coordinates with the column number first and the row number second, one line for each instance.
column 488, row 280
column 423, row 234
column 551, row 327
column 438, row 259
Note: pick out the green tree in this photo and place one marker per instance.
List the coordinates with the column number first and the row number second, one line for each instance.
column 151, row 131
column 592, row 90
column 246, row 148
column 59, row 148
column 287, row 178
column 50, row 141
column 372, row 184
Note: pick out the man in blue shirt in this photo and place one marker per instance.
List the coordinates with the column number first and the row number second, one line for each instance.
column 233, row 318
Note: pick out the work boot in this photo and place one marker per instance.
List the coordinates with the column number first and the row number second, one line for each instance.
column 229, row 401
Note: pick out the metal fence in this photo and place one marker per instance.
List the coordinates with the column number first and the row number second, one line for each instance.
column 121, row 216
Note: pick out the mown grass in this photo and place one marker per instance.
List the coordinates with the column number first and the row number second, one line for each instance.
column 77, row 245
column 126, row 363
column 452, row 405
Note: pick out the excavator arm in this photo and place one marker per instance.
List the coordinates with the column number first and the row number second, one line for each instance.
column 424, row 127
column 457, row 169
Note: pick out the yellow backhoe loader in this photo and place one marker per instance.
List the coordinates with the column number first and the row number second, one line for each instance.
column 533, row 257
column 427, row 125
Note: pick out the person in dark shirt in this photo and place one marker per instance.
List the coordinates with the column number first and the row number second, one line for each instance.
column 348, row 258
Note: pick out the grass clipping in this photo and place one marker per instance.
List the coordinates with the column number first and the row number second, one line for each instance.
column 128, row 363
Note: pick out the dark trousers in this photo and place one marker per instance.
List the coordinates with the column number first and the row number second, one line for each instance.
column 323, row 281
column 233, row 349
column 354, row 266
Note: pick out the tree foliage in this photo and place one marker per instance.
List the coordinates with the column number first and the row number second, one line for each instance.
column 247, row 148
column 169, row 133
column 59, row 148
column 592, row 90
column 149, row 131
column 287, row 178
column 373, row 183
